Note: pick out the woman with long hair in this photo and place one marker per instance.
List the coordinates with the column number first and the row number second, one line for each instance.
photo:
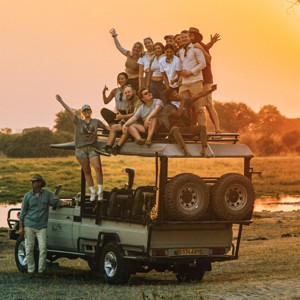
column 155, row 82
column 131, row 63
column 144, row 62
column 120, row 100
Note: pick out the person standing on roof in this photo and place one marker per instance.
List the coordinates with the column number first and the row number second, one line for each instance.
column 131, row 64
column 193, row 62
column 196, row 38
column 86, row 150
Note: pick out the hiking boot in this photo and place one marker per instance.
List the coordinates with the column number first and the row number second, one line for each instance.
column 115, row 150
column 102, row 151
column 204, row 152
column 186, row 152
column 140, row 142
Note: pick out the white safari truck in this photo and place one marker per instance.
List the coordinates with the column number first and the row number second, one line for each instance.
column 182, row 223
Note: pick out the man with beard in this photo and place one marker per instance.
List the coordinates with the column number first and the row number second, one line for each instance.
column 132, row 105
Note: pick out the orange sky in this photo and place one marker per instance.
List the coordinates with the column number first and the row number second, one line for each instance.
column 63, row 46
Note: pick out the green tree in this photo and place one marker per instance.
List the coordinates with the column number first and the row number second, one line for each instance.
column 64, row 122
column 234, row 117
column 270, row 121
column 268, row 145
column 7, row 140
column 35, row 142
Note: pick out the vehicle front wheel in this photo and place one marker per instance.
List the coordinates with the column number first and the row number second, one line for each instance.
column 20, row 255
column 115, row 269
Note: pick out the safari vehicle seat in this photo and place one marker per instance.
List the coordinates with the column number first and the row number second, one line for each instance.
column 119, row 203
column 143, row 201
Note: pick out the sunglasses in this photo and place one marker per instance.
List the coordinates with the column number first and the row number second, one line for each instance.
column 120, row 96
column 146, row 93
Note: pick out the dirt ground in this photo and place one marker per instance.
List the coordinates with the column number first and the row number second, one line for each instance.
column 268, row 268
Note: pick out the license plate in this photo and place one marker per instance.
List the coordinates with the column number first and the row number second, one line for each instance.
column 192, row 251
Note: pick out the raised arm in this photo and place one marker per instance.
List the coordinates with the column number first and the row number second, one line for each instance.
column 206, row 54
column 107, row 99
column 213, row 40
column 67, row 108
column 117, row 43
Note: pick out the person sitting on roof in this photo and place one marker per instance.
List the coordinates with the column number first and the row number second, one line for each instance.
column 144, row 120
column 133, row 103
column 174, row 117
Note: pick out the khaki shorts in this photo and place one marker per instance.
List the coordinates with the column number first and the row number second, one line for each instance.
column 85, row 152
column 188, row 90
column 207, row 100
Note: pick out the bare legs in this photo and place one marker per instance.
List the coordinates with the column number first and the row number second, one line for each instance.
column 135, row 130
column 96, row 164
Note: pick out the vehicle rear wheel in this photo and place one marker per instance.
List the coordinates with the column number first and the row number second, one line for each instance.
column 188, row 274
column 115, row 269
column 233, row 197
column 186, row 197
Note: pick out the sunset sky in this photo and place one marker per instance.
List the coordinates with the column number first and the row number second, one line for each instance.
column 51, row 46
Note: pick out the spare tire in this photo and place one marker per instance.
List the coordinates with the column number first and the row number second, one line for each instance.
column 186, row 197
column 232, row 197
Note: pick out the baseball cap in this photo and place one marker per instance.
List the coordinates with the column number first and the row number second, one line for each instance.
column 85, row 106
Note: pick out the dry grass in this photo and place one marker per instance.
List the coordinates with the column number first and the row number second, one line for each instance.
column 268, row 268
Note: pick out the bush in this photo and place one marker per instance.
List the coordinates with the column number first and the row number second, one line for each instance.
column 35, row 142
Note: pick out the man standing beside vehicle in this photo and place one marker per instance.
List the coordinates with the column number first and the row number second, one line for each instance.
column 34, row 220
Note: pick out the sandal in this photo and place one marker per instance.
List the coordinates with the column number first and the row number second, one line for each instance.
column 148, row 143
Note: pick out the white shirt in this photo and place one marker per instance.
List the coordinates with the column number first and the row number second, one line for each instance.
column 145, row 60
column 194, row 61
column 170, row 69
column 155, row 66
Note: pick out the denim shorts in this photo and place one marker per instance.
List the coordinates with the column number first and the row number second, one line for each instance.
column 85, row 152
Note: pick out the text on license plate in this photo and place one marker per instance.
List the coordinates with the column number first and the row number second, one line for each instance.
column 192, row 251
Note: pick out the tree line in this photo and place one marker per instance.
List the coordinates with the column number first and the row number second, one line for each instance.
column 266, row 132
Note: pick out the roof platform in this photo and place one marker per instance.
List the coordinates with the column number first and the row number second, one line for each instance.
column 222, row 145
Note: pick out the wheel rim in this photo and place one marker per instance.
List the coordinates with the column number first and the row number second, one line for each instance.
column 110, row 264
column 22, row 254
column 236, row 197
column 189, row 198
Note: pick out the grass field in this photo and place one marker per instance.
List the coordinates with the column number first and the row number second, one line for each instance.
column 280, row 175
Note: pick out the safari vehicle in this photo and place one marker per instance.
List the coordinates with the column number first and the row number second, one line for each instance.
column 182, row 223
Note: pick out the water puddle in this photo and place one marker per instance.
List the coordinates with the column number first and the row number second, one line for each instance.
column 284, row 203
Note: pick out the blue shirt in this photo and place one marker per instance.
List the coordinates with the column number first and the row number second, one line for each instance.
column 35, row 208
